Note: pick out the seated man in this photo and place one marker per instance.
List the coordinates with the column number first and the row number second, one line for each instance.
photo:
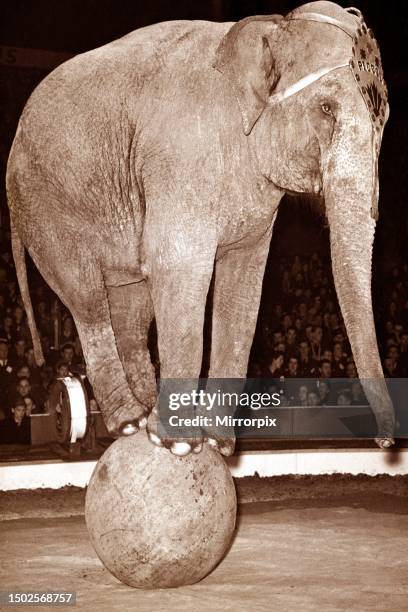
column 23, row 388
column 68, row 356
column 31, row 408
column 16, row 429
column 17, row 353
column 292, row 371
column 62, row 369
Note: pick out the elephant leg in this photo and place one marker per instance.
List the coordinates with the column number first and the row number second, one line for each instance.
column 179, row 296
column 81, row 286
column 237, row 294
column 131, row 311
column 121, row 410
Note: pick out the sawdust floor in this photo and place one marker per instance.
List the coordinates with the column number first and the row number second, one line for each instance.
column 302, row 544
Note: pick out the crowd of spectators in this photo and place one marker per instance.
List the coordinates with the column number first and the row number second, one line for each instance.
column 301, row 334
column 25, row 387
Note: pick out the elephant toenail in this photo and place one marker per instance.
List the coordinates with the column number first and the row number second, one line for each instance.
column 213, row 443
column 384, row 442
column 154, row 438
column 197, row 449
column 129, row 429
column 180, row 448
column 227, row 451
column 142, row 422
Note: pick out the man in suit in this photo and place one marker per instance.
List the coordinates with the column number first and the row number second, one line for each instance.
column 16, row 429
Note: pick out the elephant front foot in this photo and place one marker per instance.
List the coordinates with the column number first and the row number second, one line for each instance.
column 193, row 443
column 180, row 446
column 125, row 421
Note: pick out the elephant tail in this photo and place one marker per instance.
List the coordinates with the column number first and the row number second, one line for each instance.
column 21, row 271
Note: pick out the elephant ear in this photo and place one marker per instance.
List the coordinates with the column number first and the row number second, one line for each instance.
column 245, row 57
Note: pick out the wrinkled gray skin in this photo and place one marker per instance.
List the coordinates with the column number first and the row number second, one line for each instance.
column 139, row 166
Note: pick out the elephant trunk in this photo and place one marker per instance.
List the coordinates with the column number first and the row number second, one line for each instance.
column 351, row 194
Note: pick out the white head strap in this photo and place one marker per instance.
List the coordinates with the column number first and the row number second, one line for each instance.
column 364, row 63
column 318, row 74
column 348, row 29
column 302, row 83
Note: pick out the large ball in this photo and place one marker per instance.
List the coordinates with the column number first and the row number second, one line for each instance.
column 157, row 520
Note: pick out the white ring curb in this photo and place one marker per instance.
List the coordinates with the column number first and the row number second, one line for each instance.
column 57, row 474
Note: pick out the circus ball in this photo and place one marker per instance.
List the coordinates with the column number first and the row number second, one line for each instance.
column 157, row 520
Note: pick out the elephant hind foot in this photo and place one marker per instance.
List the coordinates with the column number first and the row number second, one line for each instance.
column 125, row 422
column 122, row 412
column 186, row 445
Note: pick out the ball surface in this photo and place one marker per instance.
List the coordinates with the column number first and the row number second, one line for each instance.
column 157, row 520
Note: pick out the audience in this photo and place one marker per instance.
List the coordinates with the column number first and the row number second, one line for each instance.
column 24, row 387
column 301, row 333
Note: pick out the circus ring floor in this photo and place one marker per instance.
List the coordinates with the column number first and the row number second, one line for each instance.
column 325, row 543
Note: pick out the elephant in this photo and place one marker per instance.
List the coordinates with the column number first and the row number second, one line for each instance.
column 144, row 169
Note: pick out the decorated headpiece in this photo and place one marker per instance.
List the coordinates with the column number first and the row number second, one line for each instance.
column 365, row 64
column 367, row 70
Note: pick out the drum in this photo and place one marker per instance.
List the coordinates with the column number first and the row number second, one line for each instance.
column 68, row 403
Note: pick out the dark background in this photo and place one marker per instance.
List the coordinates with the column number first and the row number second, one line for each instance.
column 74, row 26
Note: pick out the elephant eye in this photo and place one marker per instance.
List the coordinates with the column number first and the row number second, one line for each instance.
column 326, row 108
